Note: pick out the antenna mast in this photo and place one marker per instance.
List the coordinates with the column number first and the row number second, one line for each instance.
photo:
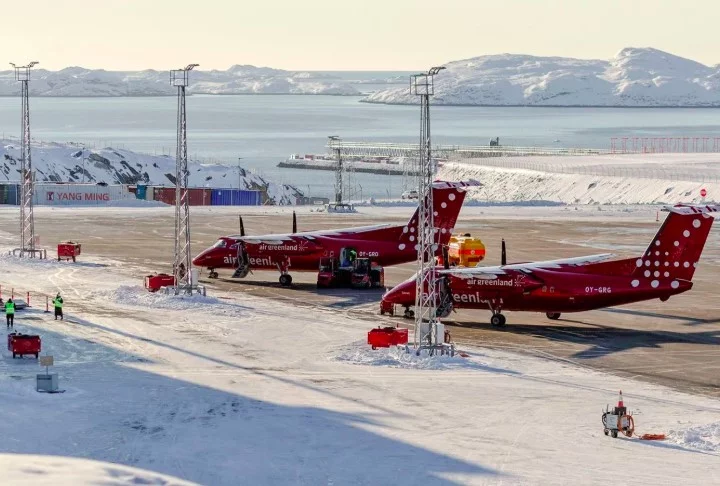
column 27, row 217
column 427, row 334
column 182, row 265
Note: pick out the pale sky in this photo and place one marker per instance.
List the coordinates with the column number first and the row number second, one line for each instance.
column 345, row 35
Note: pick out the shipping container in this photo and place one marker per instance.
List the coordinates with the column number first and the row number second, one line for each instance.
column 150, row 193
column 141, row 191
column 9, row 194
column 235, row 197
column 48, row 194
column 165, row 195
column 196, row 196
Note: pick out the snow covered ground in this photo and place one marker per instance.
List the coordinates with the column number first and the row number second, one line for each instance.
column 591, row 179
column 233, row 389
column 57, row 162
column 634, row 77
column 238, row 79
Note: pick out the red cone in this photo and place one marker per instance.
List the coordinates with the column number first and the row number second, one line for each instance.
column 620, row 400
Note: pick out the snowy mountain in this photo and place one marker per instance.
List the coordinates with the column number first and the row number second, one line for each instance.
column 634, row 77
column 78, row 81
column 66, row 163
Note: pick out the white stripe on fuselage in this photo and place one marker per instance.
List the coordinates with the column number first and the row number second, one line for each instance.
column 281, row 238
column 500, row 270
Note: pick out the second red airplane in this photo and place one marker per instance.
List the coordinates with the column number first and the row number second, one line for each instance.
column 665, row 268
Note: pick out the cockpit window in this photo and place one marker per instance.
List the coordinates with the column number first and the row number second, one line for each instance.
column 220, row 244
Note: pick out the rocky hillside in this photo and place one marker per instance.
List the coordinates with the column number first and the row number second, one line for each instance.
column 67, row 163
column 634, row 77
column 78, row 81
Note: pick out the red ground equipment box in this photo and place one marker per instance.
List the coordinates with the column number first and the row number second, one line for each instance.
column 68, row 250
column 155, row 282
column 387, row 336
column 22, row 344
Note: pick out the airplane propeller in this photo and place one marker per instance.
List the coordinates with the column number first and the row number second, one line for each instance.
column 294, row 223
column 503, row 254
column 242, row 226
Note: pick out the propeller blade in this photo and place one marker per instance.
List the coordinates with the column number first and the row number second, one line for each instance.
column 242, row 226
column 446, row 259
column 503, row 255
column 294, row 223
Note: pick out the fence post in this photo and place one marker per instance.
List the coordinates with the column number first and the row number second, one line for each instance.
column 28, row 298
column 47, row 304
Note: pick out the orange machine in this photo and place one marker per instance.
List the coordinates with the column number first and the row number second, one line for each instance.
column 465, row 251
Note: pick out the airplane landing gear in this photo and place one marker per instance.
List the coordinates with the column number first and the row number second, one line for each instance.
column 497, row 320
column 286, row 280
column 553, row 315
column 408, row 314
column 213, row 273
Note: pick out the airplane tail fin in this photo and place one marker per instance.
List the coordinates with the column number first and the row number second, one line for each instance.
column 448, row 199
column 675, row 251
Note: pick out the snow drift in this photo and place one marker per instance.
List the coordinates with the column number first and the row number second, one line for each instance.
column 56, row 162
column 634, row 77
column 616, row 179
column 78, row 81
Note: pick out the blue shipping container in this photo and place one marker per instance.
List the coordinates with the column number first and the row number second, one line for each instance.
column 234, row 197
column 141, row 192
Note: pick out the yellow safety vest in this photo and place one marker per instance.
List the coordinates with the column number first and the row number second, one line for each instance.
column 10, row 308
column 58, row 303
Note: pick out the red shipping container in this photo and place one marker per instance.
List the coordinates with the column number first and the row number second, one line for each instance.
column 386, row 337
column 196, row 196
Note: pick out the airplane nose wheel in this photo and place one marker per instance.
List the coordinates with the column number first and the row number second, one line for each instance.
column 213, row 274
column 497, row 320
column 553, row 315
column 408, row 314
column 285, row 280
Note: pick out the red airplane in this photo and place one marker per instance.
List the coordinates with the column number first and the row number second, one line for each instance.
column 384, row 244
column 579, row 284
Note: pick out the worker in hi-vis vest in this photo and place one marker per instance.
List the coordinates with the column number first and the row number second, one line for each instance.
column 58, row 303
column 10, row 313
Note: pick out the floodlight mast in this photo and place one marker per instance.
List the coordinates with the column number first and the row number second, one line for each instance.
column 333, row 141
column 182, row 265
column 426, row 291
column 27, row 217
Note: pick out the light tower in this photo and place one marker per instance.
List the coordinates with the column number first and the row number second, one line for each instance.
column 427, row 334
column 27, row 218
column 338, row 170
column 182, row 265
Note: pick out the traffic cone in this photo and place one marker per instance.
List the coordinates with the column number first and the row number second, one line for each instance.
column 620, row 401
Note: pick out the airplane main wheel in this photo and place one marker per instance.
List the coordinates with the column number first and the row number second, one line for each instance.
column 497, row 320
column 285, row 280
column 553, row 315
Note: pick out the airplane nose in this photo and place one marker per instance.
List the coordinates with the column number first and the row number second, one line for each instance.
column 198, row 260
column 402, row 294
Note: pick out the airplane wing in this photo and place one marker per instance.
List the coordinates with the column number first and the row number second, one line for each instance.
column 309, row 236
column 492, row 272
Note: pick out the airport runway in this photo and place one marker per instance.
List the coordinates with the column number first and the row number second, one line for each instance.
column 675, row 343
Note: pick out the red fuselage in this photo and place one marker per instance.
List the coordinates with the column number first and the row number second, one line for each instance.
column 383, row 244
column 302, row 252
column 558, row 290
column 666, row 268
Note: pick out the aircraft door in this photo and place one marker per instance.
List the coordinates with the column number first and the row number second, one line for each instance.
column 242, row 261
column 445, row 302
